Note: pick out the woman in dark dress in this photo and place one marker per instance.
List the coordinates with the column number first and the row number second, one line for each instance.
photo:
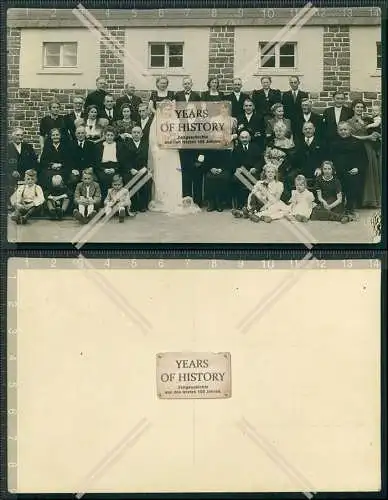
column 55, row 160
column 123, row 127
column 280, row 152
column 160, row 94
column 213, row 94
column 371, row 196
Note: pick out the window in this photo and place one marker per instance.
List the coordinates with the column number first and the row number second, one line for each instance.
column 277, row 55
column 166, row 55
column 378, row 55
column 60, row 55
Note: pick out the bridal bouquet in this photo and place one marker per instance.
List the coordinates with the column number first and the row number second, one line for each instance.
column 274, row 157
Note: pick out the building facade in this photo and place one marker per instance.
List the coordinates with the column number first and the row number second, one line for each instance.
column 60, row 53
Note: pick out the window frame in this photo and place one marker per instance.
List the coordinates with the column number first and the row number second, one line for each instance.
column 277, row 47
column 61, row 55
column 166, row 56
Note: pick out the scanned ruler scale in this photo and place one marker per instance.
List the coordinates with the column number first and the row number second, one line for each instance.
column 193, row 375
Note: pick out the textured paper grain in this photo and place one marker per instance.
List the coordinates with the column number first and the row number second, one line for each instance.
column 305, row 411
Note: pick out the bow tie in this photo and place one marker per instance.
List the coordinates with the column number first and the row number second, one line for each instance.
column 187, row 93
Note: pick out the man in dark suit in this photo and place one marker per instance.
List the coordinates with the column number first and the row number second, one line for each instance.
column 192, row 175
column 306, row 115
column 137, row 159
column 83, row 153
column 97, row 96
column 130, row 98
column 253, row 122
column 333, row 115
column 292, row 100
column 249, row 155
column 76, row 114
column 237, row 98
column 108, row 110
column 187, row 94
column 21, row 157
column 144, row 121
column 309, row 154
column 265, row 98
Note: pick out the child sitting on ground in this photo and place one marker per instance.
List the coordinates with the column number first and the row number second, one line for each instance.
column 118, row 200
column 264, row 202
column 27, row 198
column 329, row 194
column 301, row 201
column 87, row 197
column 57, row 198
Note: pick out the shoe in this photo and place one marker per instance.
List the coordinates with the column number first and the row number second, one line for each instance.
column 220, row 209
column 237, row 213
column 121, row 215
column 245, row 213
column 23, row 219
column 78, row 216
column 254, row 218
column 267, row 219
column 210, row 208
column 345, row 219
column 59, row 214
column 15, row 218
column 142, row 210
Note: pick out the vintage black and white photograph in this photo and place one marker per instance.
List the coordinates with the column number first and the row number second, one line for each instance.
column 194, row 125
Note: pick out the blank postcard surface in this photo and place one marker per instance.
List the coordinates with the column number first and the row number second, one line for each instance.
column 304, row 409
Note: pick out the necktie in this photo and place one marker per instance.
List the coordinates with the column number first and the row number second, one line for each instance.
column 294, row 93
column 81, row 144
column 245, row 147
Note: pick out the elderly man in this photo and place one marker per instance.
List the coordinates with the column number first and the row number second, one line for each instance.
column 83, row 154
column 187, row 94
column 333, row 115
column 21, row 157
column 73, row 116
column 309, row 153
column 237, row 98
column 249, row 156
column 129, row 97
column 192, row 175
column 306, row 115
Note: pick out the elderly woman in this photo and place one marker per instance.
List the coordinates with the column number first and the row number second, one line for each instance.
column 280, row 152
column 56, row 159
column 278, row 117
column 21, row 157
column 124, row 126
column 218, row 162
column 371, row 196
column 94, row 125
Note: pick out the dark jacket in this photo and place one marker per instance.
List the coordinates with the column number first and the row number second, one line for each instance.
column 180, row 96
column 237, row 105
column 263, row 104
column 329, row 123
column 21, row 162
column 134, row 103
column 253, row 158
column 308, row 157
column 83, row 157
column 292, row 109
column 96, row 97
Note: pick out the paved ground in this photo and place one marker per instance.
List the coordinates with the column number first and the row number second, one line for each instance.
column 200, row 228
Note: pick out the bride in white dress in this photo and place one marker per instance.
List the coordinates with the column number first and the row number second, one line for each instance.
column 165, row 165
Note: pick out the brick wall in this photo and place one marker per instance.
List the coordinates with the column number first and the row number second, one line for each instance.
column 28, row 105
column 111, row 61
column 221, row 55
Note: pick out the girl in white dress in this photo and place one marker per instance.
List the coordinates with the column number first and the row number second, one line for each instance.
column 302, row 200
column 165, row 163
column 268, row 192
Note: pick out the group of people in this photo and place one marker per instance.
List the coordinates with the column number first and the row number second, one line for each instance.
column 282, row 158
